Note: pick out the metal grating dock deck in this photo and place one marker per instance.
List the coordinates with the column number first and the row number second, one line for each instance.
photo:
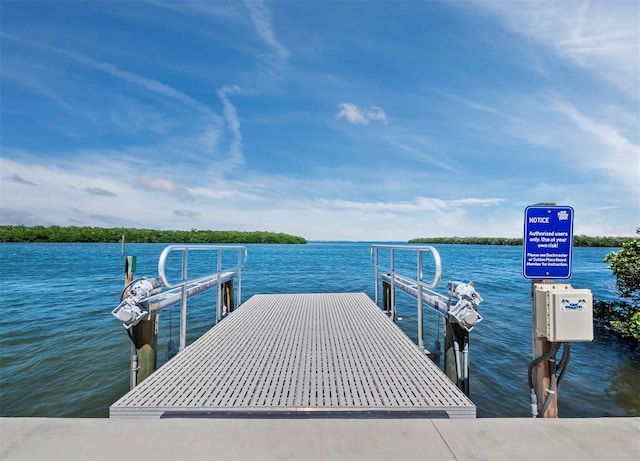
column 291, row 355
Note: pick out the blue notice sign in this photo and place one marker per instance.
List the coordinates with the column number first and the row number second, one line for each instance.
column 548, row 239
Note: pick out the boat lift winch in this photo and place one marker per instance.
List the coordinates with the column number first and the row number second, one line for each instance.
column 135, row 307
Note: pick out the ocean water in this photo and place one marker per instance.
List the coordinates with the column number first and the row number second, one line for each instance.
column 63, row 354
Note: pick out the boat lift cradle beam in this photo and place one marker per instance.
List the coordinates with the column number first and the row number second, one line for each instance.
column 464, row 311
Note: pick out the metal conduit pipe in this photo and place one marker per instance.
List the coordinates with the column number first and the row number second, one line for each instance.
column 134, row 368
column 456, row 351
column 465, row 368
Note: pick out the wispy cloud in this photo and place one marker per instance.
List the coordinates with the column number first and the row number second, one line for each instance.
column 20, row 180
column 148, row 84
column 187, row 214
column 357, row 116
column 592, row 34
column 13, row 217
column 33, row 78
column 99, row 191
column 272, row 64
column 419, row 203
column 108, row 219
column 166, row 186
column 606, row 148
column 236, row 156
column 213, row 10
column 83, row 217
column 261, row 18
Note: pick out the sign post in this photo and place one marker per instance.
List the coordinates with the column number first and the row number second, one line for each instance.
column 547, row 247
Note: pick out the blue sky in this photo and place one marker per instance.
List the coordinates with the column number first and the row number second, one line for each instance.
column 354, row 120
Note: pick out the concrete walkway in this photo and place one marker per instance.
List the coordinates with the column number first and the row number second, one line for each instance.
column 615, row 439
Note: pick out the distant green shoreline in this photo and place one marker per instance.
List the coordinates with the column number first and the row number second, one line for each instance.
column 578, row 241
column 74, row 234
column 85, row 234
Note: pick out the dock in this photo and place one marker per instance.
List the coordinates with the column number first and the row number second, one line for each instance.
column 318, row 376
column 312, row 355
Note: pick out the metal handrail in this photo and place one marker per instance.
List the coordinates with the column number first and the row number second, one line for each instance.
column 184, row 280
column 420, row 250
column 464, row 311
column 418, row 281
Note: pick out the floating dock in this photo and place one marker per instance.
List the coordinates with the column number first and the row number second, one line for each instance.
column 299, row 355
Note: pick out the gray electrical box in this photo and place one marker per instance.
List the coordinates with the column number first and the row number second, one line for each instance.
column 563, row 313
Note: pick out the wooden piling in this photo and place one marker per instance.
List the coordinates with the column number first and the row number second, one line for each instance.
column 227, row 296
column 386, row 298
column 543, row 371
column 144, row 336
column 458, row 373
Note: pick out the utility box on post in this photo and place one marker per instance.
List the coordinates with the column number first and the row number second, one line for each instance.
column 563, row 313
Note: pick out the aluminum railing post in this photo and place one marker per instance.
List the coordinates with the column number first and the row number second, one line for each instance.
column 183, row 303
column 420, row 319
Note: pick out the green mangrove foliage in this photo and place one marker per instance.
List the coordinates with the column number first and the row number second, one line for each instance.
column 578, row 241
column 623, row 316
column 106, row 235
column 468, row 240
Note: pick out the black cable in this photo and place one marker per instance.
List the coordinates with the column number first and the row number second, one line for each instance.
column 534, row 362
column 131, row 337
column 564, row 362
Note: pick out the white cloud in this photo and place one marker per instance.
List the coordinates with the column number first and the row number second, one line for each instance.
column 352, row 114
column 356, row 116
column 275, row 203
column 376, row 113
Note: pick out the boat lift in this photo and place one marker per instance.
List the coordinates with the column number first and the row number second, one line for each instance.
column 459, row 307
column 143, row 300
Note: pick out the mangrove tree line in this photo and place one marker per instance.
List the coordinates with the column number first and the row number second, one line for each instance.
column 107, row 235
column 578, row 241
